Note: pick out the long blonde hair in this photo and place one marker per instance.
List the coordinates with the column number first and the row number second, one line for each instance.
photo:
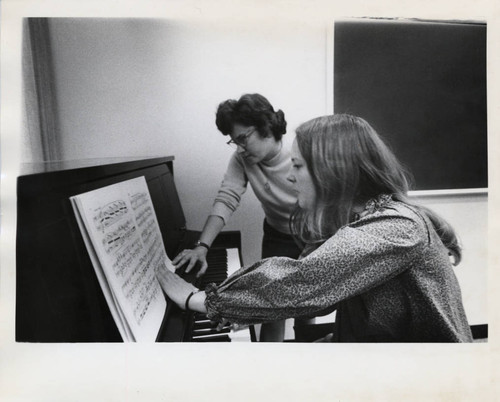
column 350, row 164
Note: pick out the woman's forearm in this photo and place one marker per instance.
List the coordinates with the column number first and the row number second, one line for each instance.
column 197, row 302
column 212, row 228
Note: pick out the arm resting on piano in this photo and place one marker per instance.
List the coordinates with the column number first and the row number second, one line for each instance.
column 178, row 290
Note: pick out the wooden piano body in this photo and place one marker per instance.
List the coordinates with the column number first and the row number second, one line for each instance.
column 58, row 297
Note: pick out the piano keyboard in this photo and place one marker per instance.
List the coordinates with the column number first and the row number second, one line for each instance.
column 221, row 264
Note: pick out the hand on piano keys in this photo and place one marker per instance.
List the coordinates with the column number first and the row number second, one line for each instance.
column 192, row 258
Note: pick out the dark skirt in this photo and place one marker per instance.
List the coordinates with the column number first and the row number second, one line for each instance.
column 278, row 244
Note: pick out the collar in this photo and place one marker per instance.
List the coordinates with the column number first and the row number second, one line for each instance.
column 371, row 206
column 276, row 159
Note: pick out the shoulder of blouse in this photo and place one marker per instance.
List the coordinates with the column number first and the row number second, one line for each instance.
column 384, row 205
column 395, row 218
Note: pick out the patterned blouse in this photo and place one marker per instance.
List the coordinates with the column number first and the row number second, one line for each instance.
column 387, row 274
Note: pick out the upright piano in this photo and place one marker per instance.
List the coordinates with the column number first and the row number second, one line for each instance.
column 58, row 296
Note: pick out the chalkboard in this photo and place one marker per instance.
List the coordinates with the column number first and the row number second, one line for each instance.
column 422, row 86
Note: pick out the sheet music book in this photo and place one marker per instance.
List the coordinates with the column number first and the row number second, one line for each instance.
column 122, row 236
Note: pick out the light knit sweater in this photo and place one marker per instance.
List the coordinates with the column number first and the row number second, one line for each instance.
column 388, row 275
column 269, row 183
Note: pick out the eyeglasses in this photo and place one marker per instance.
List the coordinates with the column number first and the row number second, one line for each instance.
column 241, row 140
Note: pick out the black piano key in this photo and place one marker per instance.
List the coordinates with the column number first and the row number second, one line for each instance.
column 217, row 264
column 203, row 324
column 217, row 251
column 200, row 316
column 206, row 323
column 211, row 279
column 217, row 273
column 210, row 331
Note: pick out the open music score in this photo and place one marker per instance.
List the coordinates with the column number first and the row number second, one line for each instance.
column 122, row 236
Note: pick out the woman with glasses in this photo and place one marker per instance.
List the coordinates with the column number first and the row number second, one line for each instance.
column 255, row 130
column 383, row 262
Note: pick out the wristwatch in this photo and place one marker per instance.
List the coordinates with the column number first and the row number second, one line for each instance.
column 199, row 243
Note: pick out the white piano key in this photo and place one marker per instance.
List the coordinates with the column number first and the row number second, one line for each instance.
column 233, row 260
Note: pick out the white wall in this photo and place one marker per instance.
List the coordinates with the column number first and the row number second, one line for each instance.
column 151, row 87
column 469, row 216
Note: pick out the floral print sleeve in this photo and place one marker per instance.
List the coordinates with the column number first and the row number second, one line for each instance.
column 357, row 258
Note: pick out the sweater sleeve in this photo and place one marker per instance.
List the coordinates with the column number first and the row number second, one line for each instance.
column 233, row 186
column 359, row 257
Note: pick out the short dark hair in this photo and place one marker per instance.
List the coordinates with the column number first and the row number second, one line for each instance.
column 251, row 110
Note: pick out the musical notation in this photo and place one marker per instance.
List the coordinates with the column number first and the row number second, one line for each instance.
column 148, row 232
column 126, row 257
column 119, row 236
column 144, row 216
column 110, row 213
column 137, row 200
